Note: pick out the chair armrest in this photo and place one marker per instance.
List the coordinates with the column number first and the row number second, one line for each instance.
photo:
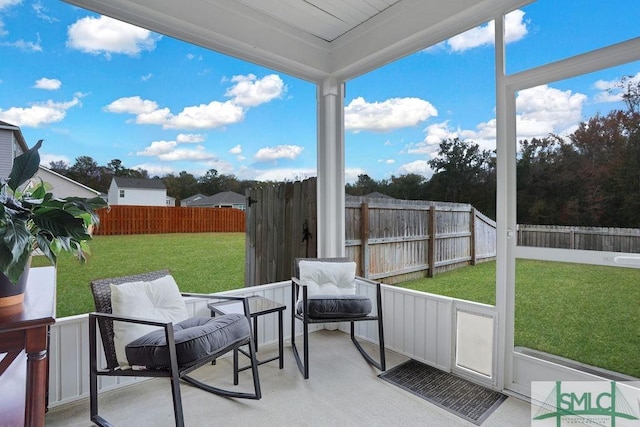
column 367, row 281
column 130, row 319
column 245, row 300
column 213, row 296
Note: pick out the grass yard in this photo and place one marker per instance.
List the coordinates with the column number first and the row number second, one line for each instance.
column 200, row 262
column 582, row 312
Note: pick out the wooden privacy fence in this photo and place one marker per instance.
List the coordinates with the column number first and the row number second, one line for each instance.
column 160, row 219
column 281, row 226
column 398, row 240
column 390, row 240
column 573, row 237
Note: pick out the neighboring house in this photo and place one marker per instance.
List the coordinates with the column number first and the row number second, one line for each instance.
column 63, row 187
column 188, row 201
column 137, row 191
column 225, row 199
column 12, row 144
column 171, row 201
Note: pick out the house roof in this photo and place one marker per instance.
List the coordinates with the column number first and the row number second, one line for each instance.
column 223, row 198
column 311, row 39
column 151, row 184
column 17, row 133
column 191, row 199
column 47, row 170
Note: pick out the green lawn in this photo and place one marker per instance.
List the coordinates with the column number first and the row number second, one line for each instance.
column 583, row 312
column 200, row 262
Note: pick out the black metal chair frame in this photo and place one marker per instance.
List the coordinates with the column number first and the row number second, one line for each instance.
column 104, row 318
column 296, row 285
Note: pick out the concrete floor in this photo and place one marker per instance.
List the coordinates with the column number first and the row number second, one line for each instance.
column 343, row 390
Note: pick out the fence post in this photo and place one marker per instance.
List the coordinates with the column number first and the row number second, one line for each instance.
column 364, row 239
column 472, row 238
column 431, row 242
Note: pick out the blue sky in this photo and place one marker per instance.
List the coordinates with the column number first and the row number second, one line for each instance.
column 92, row 86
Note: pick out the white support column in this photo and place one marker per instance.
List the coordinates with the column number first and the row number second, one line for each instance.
column 331, row 204
column 505, row 211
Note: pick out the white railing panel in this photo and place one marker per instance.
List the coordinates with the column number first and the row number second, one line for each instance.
column 419, row 325
column 416, row 324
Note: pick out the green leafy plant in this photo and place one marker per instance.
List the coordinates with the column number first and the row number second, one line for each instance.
column 30, row 218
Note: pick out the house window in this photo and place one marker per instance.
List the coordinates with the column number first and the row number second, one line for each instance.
column 121, row 193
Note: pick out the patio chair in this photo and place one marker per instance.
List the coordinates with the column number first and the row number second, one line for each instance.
column 324, row 291
column 167, row 342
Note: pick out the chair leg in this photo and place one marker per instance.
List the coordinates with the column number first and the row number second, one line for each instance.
column 380, row 365
column 93, row 375
column 177, row 399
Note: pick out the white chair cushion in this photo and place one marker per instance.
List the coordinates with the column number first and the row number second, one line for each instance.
column 158, row 299
column 327, row 278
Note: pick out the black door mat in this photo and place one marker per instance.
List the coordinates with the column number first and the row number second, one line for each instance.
column 461, row 397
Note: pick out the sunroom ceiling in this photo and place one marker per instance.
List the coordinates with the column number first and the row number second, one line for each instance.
column 309, row 39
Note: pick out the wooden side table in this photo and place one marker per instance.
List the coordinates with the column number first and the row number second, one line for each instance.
column 24, row 339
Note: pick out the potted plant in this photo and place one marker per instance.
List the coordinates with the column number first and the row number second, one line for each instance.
column 30, row 218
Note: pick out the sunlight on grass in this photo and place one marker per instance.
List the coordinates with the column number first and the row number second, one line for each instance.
column 582, row 312
column 200, row 262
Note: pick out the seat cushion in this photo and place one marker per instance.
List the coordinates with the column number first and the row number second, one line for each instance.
column 158, row 299
column 195, row 338
column 337, row 306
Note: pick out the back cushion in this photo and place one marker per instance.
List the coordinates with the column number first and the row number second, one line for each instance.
column 328, row 278
column 158, row 299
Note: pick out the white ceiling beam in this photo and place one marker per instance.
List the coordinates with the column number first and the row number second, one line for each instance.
column 407, row 27
column 228, row 27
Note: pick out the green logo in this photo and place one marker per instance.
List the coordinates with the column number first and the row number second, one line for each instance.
column 585, row 403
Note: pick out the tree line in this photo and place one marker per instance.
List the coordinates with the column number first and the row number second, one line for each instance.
column 590, row 178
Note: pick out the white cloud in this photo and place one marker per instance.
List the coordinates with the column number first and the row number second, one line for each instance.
column 158, row 148
column 236, row 150
column 248, row 92
column 46, row 159
column 168, row 151
column 539, row 111
column 132, row 105
column 38, row 114
column 284, row 174
column 190, row 138
column 610, row 91
column 251, row 92
column 4, row 4
column 23, row 45
column 41, row 12
column 155, row 169
column 484, row 35
column 420, row 167
column 544, row 109
column 47, row 84
column 206, row 116
column 104, row 35
column 197, row 154
column 268, row 154
column 146, row 77
column 387, row 161
column 394, row 113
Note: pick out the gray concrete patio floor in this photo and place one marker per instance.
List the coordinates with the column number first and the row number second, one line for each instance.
column 343, row 390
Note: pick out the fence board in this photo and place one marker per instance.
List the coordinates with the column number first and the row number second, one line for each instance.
column 161, row 219
column 610, row 239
